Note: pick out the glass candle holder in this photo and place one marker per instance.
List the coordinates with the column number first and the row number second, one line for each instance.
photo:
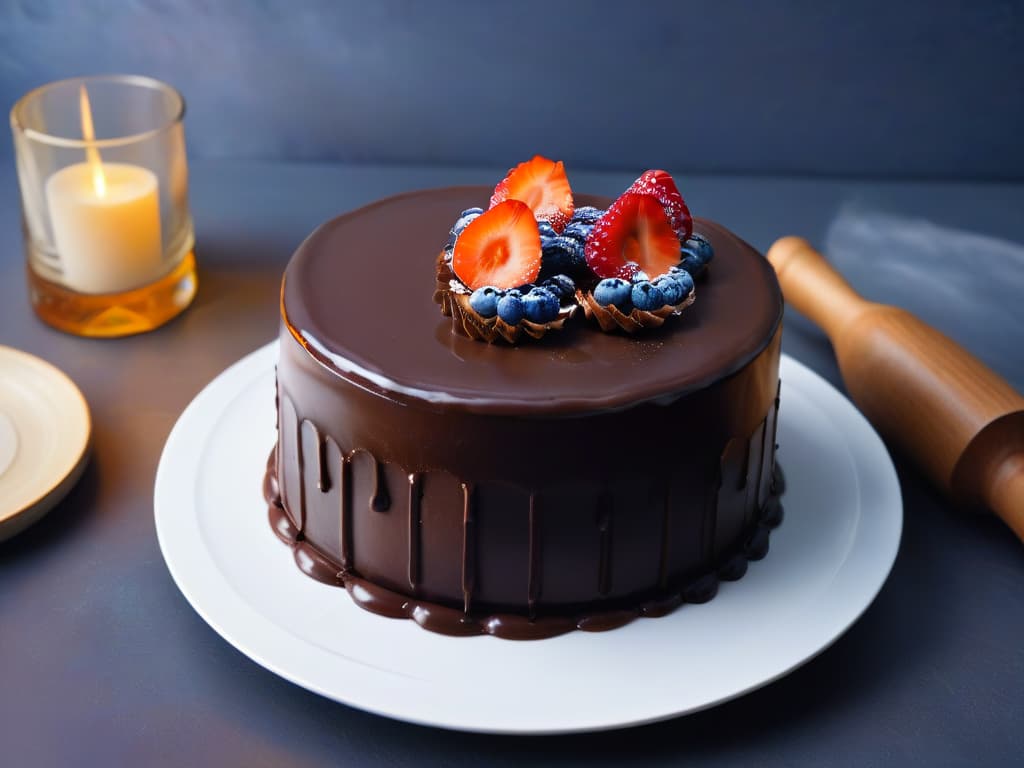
column 104, row 192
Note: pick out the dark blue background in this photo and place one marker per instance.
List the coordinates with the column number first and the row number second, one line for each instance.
column 911, row 89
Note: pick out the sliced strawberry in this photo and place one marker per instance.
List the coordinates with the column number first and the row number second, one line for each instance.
column 542, row 185
column 634, row 234
column 660, row 185
column 500, row 247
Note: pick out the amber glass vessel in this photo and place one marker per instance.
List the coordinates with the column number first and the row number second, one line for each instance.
column 104, row 191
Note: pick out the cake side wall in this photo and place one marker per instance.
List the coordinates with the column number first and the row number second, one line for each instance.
column 526, row 515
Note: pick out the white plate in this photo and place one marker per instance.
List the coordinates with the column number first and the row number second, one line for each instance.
column 44, row 438
column 827, row 562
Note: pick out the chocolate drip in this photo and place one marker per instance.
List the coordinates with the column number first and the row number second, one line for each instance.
column 468, row 546
column 283, row 476
column 533, row 580
column 774, row 445
column 323, row 478
column 381, row 499
column 345, row 496
column 300, row 459
column 278, row 474
column 415, row 496
column 604, row 562
column 761, row 461
column 744, row 476
column 454, row 621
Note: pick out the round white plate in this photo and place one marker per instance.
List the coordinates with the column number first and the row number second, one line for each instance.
column 44, row 438
column 827, row 562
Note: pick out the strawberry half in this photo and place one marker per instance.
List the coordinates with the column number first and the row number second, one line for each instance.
column 660, row 185
column 634, row 234
column 542, row 185
column 500, row 247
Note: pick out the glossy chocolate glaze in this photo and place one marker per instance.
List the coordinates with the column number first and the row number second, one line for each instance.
column 359, row 295
column 574, row 482
column 510, row 626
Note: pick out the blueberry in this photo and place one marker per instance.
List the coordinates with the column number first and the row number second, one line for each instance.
column 691, row 261
column 464, row 219
column 484, row 301
column 700, row 245
column 561, row 255
column 640, row 277
column 510, row 307
column 588, row 214
column 613, row 290
column 684, row 279
column 678, row 270
column 670, row 288
column 647, row 296
column 545, row 229
column 561, row 285
column 540, row 305
column 578, row 230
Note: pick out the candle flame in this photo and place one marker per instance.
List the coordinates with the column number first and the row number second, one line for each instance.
column 92, row 153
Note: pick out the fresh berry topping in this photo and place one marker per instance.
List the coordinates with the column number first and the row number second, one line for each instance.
column 588, row 214
column 700, row 245
column 685, row 279
column 464, row 218
column 635, row 229
column 510, row 307
column 691, row 261
column 500, row 248
column 628, row 270
column 545, row 229
column 639, row 276
column 540, row 305
column 561, row 285
column 484, row 301
column 671, row 289
column 647, row 296
column 578, row 230
column 561, row 255
column 543, row 186
column 660, row 185
column 613, row 290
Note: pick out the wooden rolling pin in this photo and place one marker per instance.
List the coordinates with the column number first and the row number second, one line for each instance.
column 961, row 421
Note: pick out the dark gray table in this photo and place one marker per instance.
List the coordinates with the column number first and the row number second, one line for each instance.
column 103, row 662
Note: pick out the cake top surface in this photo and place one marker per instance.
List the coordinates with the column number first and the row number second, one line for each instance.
column 358, row 295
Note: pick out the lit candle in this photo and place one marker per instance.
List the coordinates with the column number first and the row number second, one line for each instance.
column 106, row 220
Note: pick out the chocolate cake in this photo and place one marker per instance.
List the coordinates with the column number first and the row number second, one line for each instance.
column 577, row 481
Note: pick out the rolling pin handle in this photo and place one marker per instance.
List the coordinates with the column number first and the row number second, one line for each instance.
column 961, row 421
column 812, row 286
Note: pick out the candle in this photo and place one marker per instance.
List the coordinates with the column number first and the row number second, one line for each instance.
column 106, row 220
column 108, row 240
